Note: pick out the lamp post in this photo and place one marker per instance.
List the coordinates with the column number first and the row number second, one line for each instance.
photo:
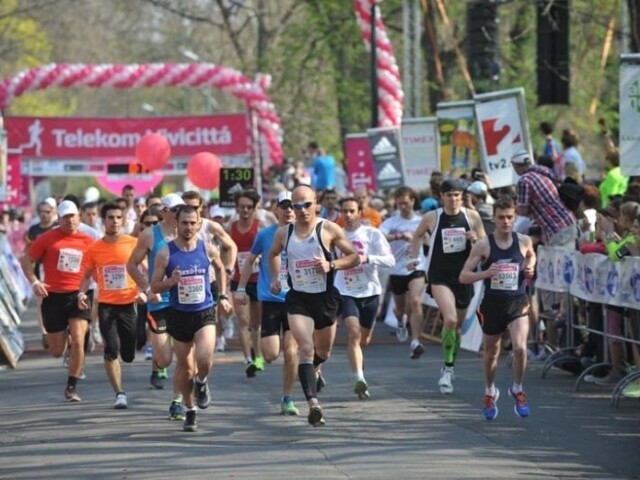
column 257, row 15
column 209, row 101
column 374, row 67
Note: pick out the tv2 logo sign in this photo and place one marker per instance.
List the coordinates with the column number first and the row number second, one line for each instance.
column 493, row 137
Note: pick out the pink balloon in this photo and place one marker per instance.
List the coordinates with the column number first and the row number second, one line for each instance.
column 203, row 170
column 153, row 151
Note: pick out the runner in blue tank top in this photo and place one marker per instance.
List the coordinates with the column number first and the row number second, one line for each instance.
column 182, row 267
column 506, row 259
column 150, row 242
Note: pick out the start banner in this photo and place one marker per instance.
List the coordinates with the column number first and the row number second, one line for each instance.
column 90, row 138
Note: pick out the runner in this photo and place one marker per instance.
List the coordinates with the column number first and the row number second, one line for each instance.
column 182, row 267
column 406, row 285
column 312, row 302
column 274, row 313
column 360, row 288
column 60, row 250
column 47, row 215
column 106, row 261
column 453, row 230
column 150, row 242
column 506, row 259
column 243, row 231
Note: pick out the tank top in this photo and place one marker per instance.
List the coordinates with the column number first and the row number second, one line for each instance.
column 300, row 259
column 510, row 281
column 193, row 292
column 449, row 248
column 244, row 241
column 158, row 243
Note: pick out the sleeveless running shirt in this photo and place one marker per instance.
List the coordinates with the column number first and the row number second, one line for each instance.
column 449, row 248
column 244, row 241
column 510, row 281
column 193, row 292
column 301, row 254
column 158, row 242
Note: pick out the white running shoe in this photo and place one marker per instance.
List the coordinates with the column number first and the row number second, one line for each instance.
column 446, row 380
column 96, row 335
column 228, row 328
column 402, row 332
column 121, row 402
column 221, row 344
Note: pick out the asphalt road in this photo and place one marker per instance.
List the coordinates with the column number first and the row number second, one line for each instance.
column 406, row 430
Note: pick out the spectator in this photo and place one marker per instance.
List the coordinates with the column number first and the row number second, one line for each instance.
column 551, row 149
column 614, row 182
column 323, row 167
column 570, row 153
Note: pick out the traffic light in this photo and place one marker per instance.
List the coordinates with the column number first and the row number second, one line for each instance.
column 553, row 52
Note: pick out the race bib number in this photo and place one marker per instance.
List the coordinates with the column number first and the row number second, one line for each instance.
column 305, row 274
column 283, row 276
column 454, row 240
column 191, row 290
column 115, row 277
column 355, row 280
column 69, row 260
column 242, row 259
column 507, row 277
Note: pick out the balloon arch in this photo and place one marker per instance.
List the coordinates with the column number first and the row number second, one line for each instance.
column 66, row 75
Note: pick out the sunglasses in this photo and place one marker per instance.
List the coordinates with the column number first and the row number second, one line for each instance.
column 285, row 206
column 172, row 209
column 302, row 206
column 149, row 224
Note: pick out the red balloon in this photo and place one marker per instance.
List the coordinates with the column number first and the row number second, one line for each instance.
column 153, row 151
column 203, row 170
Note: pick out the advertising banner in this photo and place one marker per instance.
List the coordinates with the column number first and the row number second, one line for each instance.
column 232, row 181
column 360, row 171
column 421, row 149
column 96, row 138
column 503, row 131
column 387, row 155
column 458, row 137
column 629, row 114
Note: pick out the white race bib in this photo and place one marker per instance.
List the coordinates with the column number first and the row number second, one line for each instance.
column 355, row 280
column 454, row 240
column 305, row 274
column 283, row 277
column 191, row 290
column 507, row 278
column 115, row 277
column 69, row 260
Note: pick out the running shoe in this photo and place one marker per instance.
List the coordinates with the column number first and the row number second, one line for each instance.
column 176, row 411
column 361, row 389
column 287, row 407
column 190, row 423
column 251, row 369
column 315, row 417
column 228, row 328
column 201, row 390
column 521, row 407
column 96, row 335
column 148, row 353
column 163, row 373
column 321, row 382
column 221, row 344
column 402, row 333
column 156, row 381
column 259, row 361
column 490, row 410
column 446, row 380
column 71, row 395
column 121, row 402
column 83, row 375
column 417, row 349
column 632, row 390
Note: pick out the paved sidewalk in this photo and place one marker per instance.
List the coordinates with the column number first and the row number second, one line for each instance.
column 407, row 430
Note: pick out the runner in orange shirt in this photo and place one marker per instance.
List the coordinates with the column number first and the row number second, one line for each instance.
column 61, row 251
column 106, row 260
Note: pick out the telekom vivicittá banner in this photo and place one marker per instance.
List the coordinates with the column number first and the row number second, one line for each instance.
column 503, row 129
column 93, row 138
column 360, row 170
column 629, row 114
